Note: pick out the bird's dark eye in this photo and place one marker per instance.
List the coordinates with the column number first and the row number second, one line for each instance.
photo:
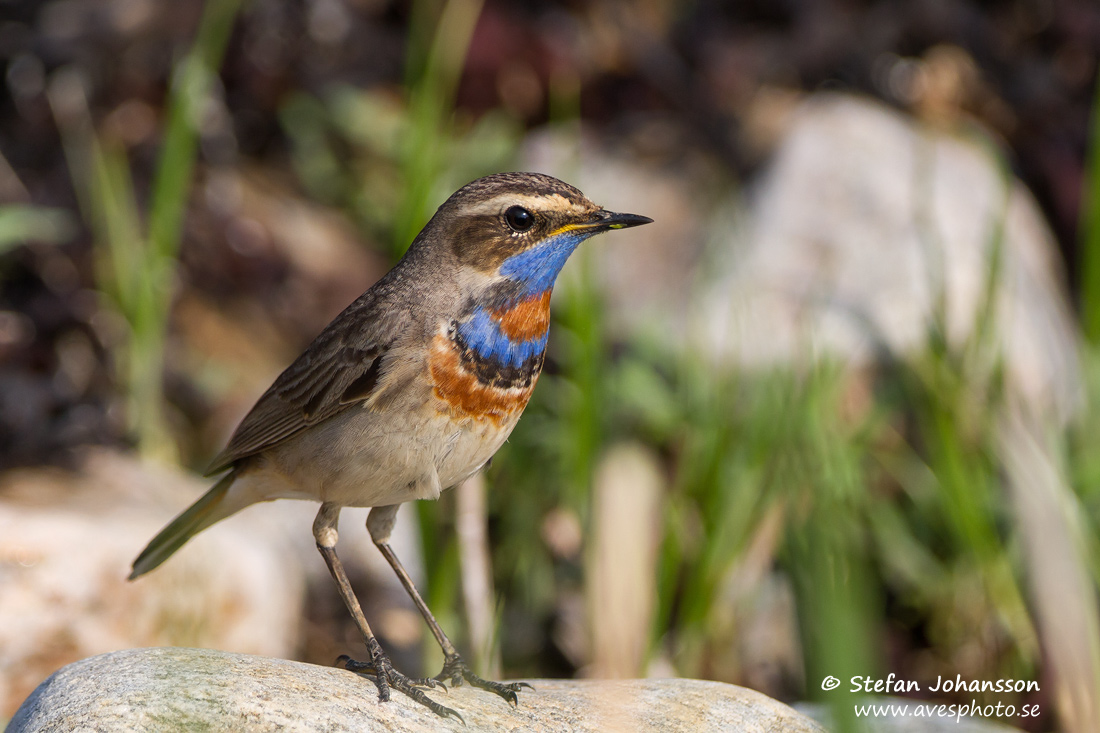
column 519, row 218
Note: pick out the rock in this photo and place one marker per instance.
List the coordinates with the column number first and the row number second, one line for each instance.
column 66, row 544
column 862, row 220
column 196, row 689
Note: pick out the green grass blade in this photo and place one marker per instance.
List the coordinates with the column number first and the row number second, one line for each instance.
column 189, row 92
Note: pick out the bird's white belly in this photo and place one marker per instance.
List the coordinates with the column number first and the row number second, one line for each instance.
column 350, row 462
column 469, row 447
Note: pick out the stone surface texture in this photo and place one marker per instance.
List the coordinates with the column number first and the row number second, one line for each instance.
column 171, row 689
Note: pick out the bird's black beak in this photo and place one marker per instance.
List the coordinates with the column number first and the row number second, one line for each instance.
column 604, row 220
column 601, row 221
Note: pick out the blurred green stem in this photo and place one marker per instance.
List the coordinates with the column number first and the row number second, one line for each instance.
column 828, row 548
column 190, row 90
column 136, row 266
column 582, row 314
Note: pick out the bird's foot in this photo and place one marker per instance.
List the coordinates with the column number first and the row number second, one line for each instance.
column 385, row 677
column 455, row 671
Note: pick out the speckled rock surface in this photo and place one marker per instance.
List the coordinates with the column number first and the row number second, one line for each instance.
column 172, row 689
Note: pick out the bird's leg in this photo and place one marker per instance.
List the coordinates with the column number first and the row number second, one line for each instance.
column 379, row 667
column 380, row 524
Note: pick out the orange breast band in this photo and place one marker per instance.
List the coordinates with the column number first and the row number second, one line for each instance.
column 464, row 395
column 527, row 320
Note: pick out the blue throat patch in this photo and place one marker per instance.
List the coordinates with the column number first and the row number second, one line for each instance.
column 482, row 333
column 537, row 268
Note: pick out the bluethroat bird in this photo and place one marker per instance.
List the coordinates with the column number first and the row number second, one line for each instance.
column 410, row 390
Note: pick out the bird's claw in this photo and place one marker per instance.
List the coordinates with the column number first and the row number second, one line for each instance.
column 456, row 670
column 385, row 678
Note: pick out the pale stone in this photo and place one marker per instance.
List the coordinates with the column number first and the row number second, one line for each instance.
column 66, row 544
column 166, row 690
column 862, row 220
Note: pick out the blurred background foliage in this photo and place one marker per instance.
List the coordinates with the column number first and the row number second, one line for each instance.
column 869, row 507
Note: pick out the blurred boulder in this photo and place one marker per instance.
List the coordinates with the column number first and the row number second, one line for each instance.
column 196, row 689
column 66, row 544
column 864, row 224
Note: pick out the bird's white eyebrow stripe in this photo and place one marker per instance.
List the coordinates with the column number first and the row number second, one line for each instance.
column 497, row 204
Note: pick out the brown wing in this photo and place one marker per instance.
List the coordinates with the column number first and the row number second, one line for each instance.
column 342, row 367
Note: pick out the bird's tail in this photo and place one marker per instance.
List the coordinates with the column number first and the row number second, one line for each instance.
column 200, row 515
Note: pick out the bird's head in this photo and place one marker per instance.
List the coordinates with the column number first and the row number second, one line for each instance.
column 520, row 228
